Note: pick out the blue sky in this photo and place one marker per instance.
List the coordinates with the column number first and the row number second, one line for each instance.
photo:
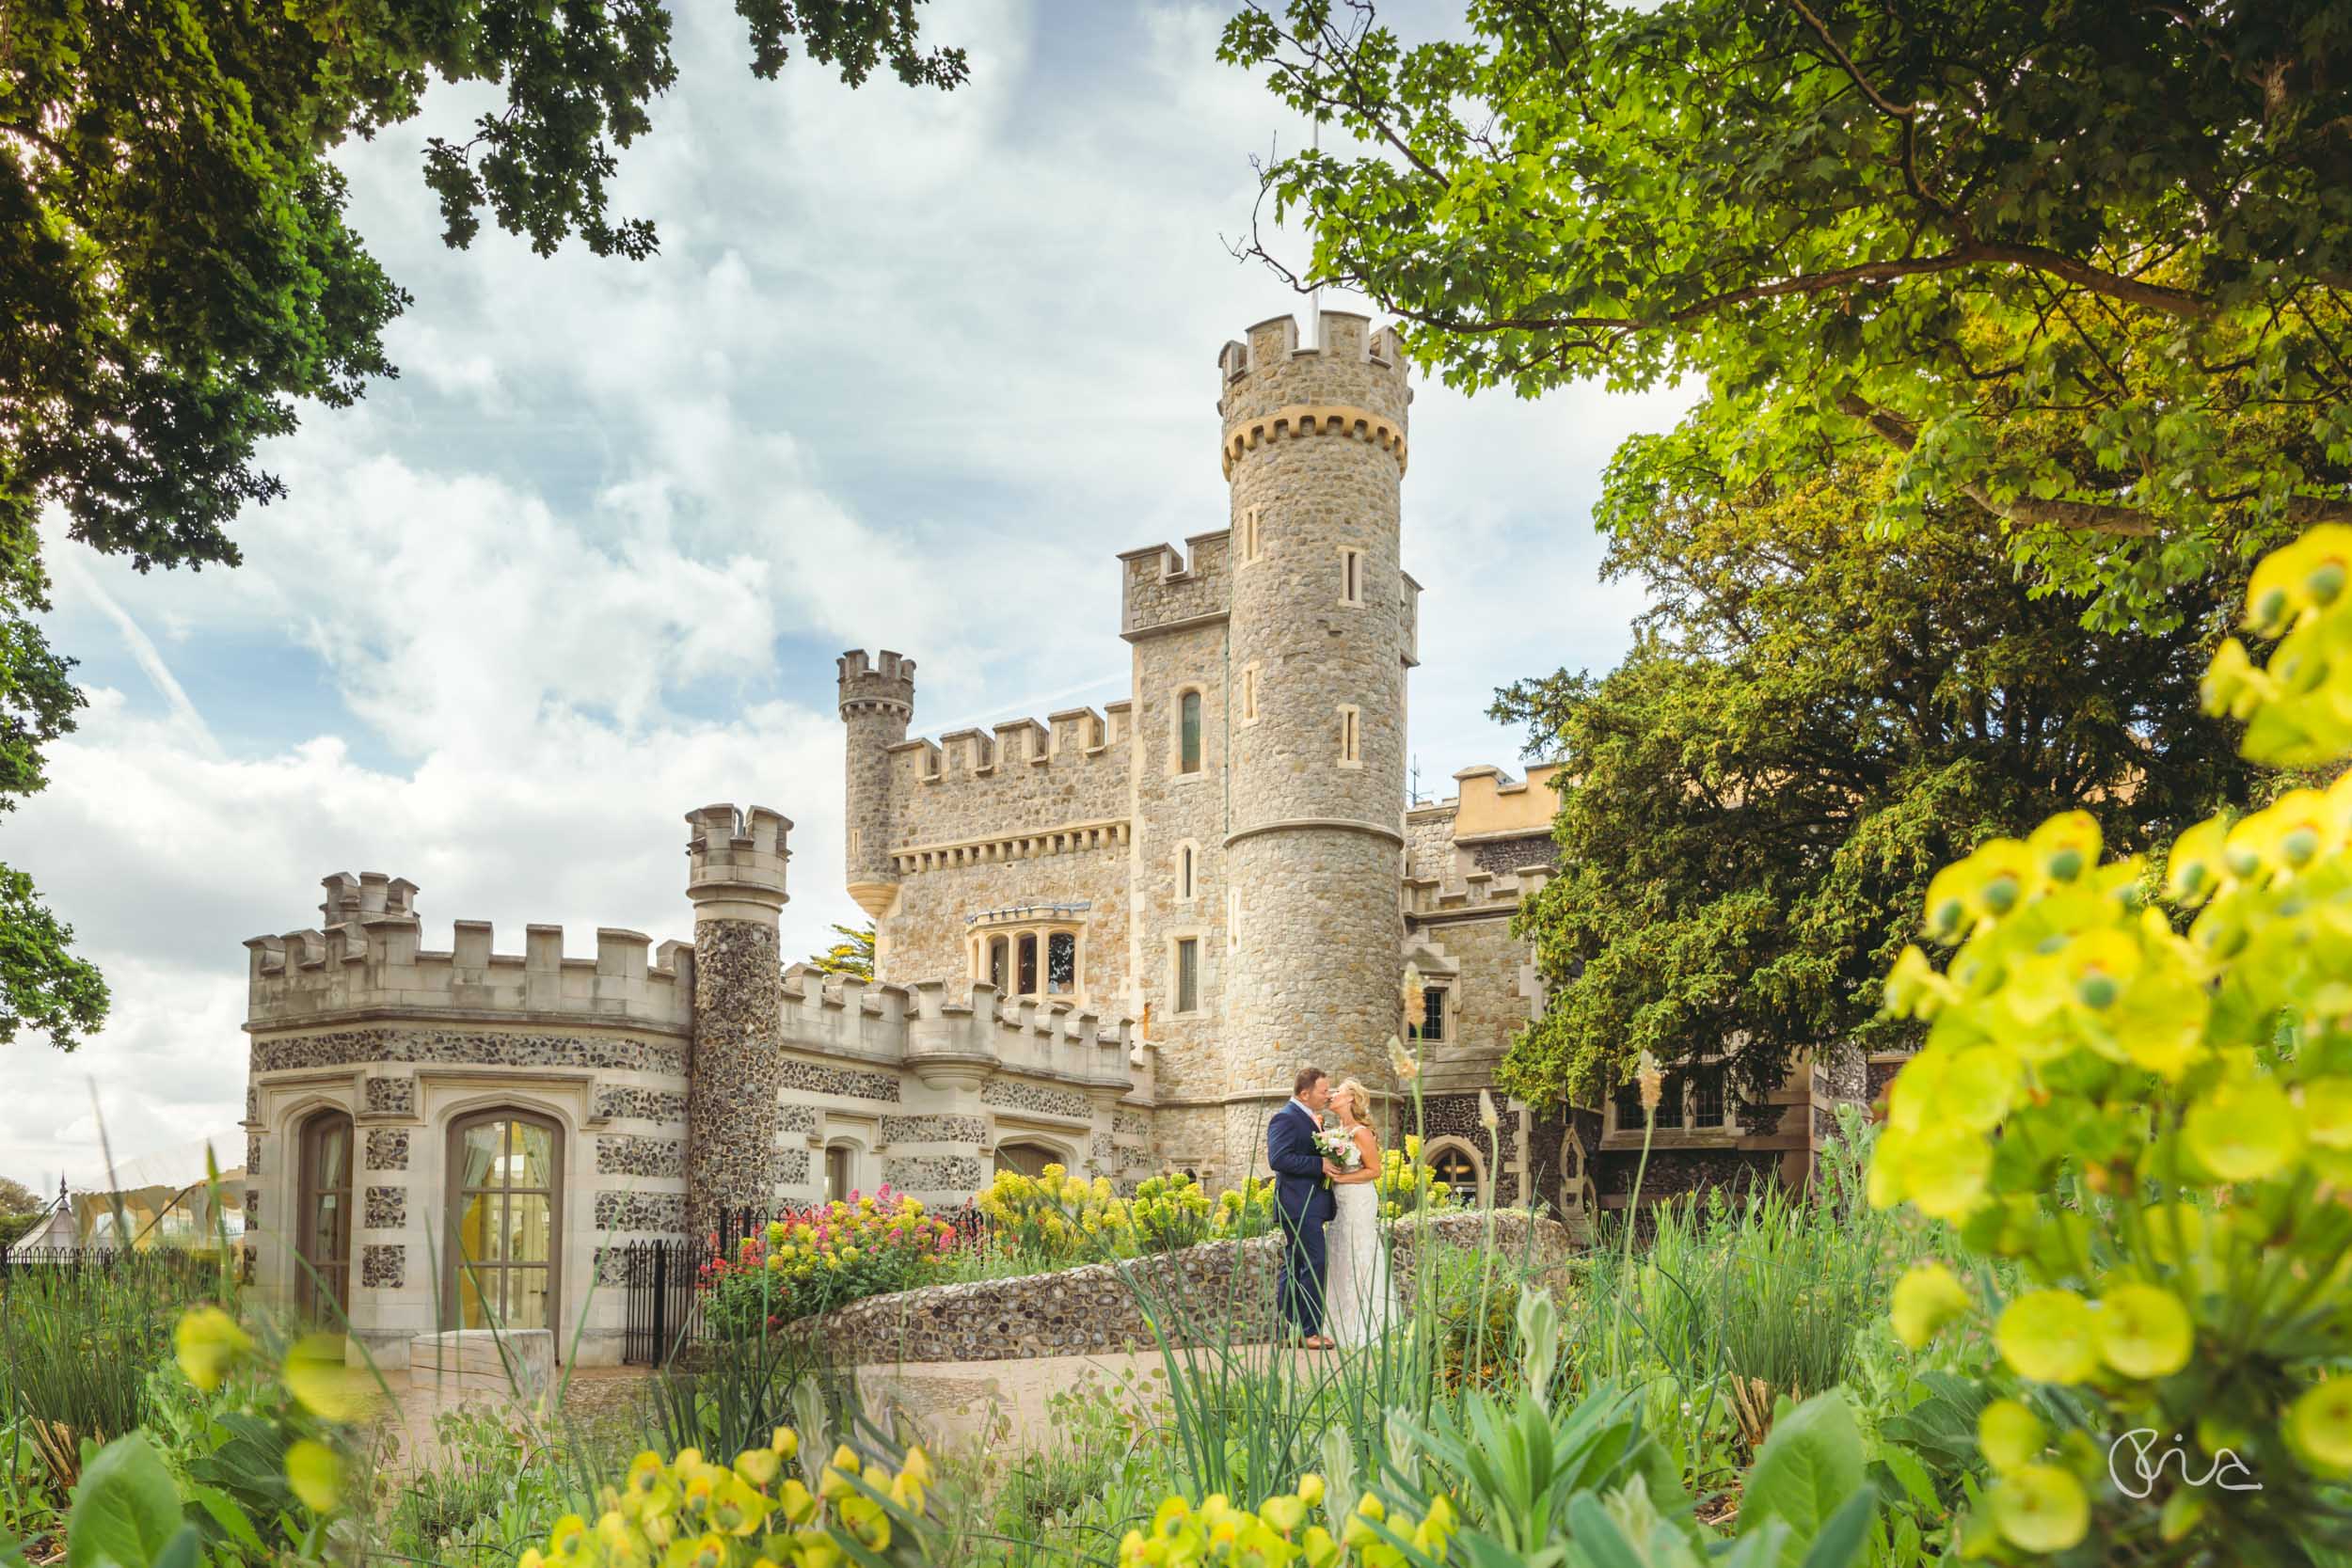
column 910, row 369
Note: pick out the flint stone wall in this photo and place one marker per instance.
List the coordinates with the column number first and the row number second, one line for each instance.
column 1200, row 1294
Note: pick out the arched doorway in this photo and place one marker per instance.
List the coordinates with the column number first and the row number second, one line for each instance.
column 1456, row 1164
column 322, row 1290
column 1026, row 1158
column 505, row 1220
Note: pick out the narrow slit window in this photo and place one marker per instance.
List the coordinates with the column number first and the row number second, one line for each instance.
column 1249, row 534
column 1349, row 751
column 1188, row 976
column 1184, row 876
column 1352, row 578
column 1249, row 694
column 1232, row 920
column 1061, row 963
column 1188, row 733
column 1028, row 964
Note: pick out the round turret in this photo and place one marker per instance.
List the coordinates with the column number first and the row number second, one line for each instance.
column 877, row 704
column 1314, row 449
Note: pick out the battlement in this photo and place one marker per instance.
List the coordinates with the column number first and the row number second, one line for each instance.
column 373, row 963
column 1351, row 383
column 736, row 862
column 1477, row 892
column 1161, row 590
column 945, row 1031
column 884, row 684
column 1021, row 777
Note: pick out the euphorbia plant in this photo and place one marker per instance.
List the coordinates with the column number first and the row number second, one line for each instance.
column 2141, row 1096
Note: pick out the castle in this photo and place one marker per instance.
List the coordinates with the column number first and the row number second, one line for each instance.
column 1104, row 939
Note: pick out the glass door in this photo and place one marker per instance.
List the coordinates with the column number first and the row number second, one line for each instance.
column 505, row 1218
column 324, row 1287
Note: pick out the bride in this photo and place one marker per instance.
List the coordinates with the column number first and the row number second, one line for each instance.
column 1360, row 1303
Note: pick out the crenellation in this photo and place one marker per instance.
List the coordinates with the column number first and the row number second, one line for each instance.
column 1161, row 590
column 378, row 964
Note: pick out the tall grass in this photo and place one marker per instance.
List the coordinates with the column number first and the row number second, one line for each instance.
column 77, row 1340
column 1763, row 1287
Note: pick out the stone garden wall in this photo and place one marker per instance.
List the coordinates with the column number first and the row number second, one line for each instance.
column 1199, row 1295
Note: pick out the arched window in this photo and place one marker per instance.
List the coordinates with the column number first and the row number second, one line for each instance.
column 1188, row 871
column 1061, row 963
column 1028, row 963
column 505, row 1220
column 1456, row 1164
column 323, row 1288
column 1189, row 733
column 998, row 970
column 840, row 1172
column 1027, row 1159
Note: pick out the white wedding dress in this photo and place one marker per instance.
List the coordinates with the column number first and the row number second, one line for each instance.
column 1359, row 1305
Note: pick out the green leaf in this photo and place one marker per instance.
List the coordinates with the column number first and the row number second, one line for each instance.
column 1843, row 1539
column 126, row 1511
column 1807, row 1470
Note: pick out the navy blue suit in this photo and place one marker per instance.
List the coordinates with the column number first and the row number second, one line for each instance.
column 1305, row 1205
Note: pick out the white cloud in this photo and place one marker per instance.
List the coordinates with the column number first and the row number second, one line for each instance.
column 910, row 369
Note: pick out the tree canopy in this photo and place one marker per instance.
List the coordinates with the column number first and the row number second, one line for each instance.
column 2082, row 270
column 1811, row 722
column 177, row 276
column 852, row 956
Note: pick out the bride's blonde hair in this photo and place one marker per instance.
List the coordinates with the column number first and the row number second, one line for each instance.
column 1358, row 1102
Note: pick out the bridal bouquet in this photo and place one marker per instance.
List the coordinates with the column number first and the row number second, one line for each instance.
column 1339, row 1148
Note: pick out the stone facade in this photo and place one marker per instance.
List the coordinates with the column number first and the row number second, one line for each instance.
column 1105, row 938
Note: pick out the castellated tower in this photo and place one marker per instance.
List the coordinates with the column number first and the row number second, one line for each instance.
column 735, row 878
column 877, row 704
column 1314, row 452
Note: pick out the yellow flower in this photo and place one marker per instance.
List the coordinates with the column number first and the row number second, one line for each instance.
column 207, row 1342
column 2243, row 1131
column 2049, row 1336
column 1926, row 1298
column 794, row 1502
column 315, row 1375
column 758, row 1465
column 315, row 1472
column 2196, row 868
column 1310, row 1489
column 835, row 1483
column 2066, row 846
column 1284, row 1514
column 2041, row 1508
column 785, row 1442
column 2319, row 1425
column 2144, row 1331
column 2009, row 1435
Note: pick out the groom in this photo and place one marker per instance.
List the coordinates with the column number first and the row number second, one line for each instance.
column 1303, row 1198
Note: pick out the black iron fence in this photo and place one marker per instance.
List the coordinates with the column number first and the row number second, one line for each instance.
column 662, row 1281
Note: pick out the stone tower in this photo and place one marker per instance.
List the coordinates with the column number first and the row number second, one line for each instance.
column 735, row 878
column 877, row 704
column 1314, row 452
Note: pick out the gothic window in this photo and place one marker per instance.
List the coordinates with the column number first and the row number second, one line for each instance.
column 1061, row 963
column 1187, row 872
column 1028, row 963
column 840, row 1172
column 1431, row 1026
column 997, row 954
column 324, row 1240
column 1027, row 1159
column 1189, row 733
column 505, row 1220
column 1188, row 976
column 1352, row 578
column 1453, row 1163
column 1351, row 752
